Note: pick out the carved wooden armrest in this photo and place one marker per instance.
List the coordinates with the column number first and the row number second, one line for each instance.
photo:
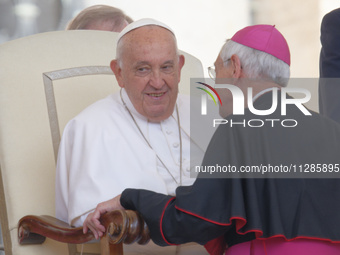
column 122, row 226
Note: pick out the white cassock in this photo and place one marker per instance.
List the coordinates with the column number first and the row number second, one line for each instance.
column 102, row 152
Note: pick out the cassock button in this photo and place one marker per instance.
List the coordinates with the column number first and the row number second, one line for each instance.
column 175, row 145
column 168, row 132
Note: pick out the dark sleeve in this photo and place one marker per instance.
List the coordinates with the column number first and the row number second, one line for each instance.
column 199, row 213
column 169, row 225
column 329, row 87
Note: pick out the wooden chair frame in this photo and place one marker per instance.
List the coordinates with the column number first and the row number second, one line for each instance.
column 122, row 226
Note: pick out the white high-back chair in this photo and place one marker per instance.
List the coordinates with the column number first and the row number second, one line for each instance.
column 45, row 80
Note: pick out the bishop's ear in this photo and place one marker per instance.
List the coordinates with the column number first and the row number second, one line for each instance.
column 237, row 67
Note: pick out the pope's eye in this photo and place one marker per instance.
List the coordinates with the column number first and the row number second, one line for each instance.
column 168, row 68
column 144, row 70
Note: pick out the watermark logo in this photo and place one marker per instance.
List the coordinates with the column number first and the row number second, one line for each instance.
column 239, row 100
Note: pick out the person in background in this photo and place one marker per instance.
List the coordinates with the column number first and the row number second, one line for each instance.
column 100, row 17
column 138, row 137
column 329, row 85
column 244, row 213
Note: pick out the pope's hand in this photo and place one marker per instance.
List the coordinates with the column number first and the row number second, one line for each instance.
column 92, row 221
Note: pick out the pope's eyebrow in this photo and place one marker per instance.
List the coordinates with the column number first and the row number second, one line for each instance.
column 168, row 62
column 142, row 63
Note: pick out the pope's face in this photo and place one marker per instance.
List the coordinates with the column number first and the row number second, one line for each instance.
column 149, row 69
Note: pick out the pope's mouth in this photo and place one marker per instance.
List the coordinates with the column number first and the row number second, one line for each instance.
column 156, row 95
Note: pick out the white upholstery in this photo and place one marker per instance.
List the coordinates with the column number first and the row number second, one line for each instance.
column 30, row 104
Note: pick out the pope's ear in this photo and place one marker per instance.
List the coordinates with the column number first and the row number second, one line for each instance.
column 181, row 62
column 114, row 65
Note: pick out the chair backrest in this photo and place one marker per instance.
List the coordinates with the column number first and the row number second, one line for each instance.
column 45, row 80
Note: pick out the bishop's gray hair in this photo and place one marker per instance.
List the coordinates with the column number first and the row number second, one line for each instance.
column 257, row 64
